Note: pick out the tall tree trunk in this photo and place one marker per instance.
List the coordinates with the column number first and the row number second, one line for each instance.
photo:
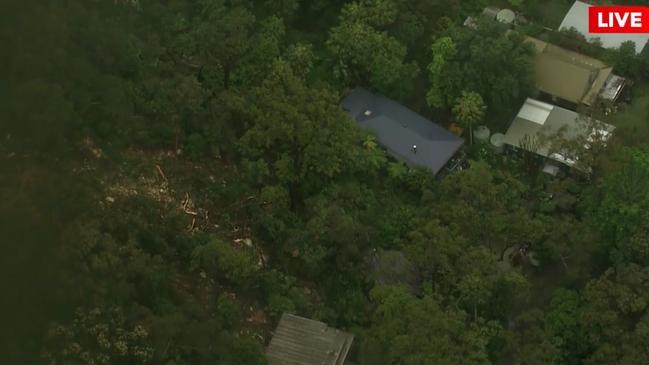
column 295, row 195
column 563, row 261
column 471, row 134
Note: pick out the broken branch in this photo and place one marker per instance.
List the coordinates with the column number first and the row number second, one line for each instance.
column 161, row 173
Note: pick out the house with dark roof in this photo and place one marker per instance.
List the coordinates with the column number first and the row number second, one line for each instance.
column 406, row 135
column 303, row 341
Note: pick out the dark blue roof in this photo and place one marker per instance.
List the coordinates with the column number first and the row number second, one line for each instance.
column 398, row 129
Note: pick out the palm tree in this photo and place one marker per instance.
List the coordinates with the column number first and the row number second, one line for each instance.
column 469, row 109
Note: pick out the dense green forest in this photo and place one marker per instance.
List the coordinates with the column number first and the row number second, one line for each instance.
column 176, row 174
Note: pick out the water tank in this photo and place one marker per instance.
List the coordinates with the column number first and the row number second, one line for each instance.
column 506, row 16
column 481, row 133
column 498, row 142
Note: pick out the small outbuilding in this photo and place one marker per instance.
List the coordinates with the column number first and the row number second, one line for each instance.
column 302, row 341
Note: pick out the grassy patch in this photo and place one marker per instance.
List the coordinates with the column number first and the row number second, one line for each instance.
column 632, row 122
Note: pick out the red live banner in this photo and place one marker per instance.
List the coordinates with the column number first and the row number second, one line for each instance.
column 618, row 19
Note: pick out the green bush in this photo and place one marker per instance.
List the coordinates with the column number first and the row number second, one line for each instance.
column 218, row 258
column 278, row 304
column 196, row 146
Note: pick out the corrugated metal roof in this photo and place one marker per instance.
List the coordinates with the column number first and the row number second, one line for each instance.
column 568, row 75
column 558, row 119
column 535, row 111
column 398, row 129
column 577, row 17
column 303, row 341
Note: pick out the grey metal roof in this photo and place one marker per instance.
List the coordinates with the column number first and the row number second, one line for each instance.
column 398, row 128
column 537, row 118
column 577, row 17
column 303, row 341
